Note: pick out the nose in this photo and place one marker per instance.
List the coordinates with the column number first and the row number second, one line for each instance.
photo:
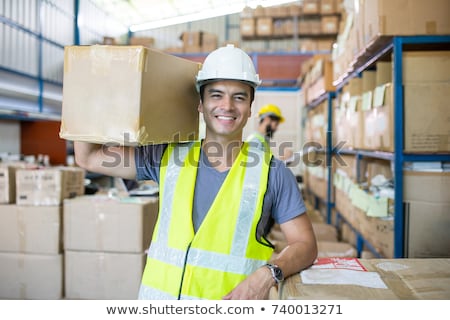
column 226, row 103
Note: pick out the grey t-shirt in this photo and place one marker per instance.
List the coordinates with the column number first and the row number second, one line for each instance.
column 282, row 201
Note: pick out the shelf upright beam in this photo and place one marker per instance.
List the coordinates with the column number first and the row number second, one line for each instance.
column 329, row 154
column 40, row 56
column 76, row 26
column 398, row 147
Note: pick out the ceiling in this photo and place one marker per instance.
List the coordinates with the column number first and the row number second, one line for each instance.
column 136, row 12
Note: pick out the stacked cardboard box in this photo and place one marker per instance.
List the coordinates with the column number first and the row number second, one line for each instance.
column 7, row 183
column 104, row 241
column 427, row 214
column 31, row 231
column 370, row 20
column 427, row 83
column 199, row 41
column 30, row 252
column 307, row 21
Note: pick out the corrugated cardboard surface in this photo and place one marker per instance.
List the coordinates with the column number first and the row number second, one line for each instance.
column 99, row 223
column 324, row 232
column 128, row 95
column 407, row 17
column 427, row 226
column 335, row 249
column 426, row 66
column 427, row 117
column 7, row 184
column 48, row 187
column 99, row 275
column 404, row 278
column 31, row 276
column 426, row 186
column 30, row 229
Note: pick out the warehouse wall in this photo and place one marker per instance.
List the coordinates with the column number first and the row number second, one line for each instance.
column 10, row 136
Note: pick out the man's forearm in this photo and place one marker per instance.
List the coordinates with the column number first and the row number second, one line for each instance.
column 295, row 257
column 112, row 161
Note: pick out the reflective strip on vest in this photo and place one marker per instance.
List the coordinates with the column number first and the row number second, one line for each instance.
column 236, row 261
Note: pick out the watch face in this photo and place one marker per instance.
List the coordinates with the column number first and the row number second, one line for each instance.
column 278, row 273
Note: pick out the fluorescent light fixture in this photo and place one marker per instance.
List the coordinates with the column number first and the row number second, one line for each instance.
column 205, row 14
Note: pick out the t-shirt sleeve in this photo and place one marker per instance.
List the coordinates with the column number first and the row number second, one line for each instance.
column 287, row 202
column 148, row 160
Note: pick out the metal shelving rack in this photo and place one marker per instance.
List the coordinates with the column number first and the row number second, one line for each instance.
column 384, row 45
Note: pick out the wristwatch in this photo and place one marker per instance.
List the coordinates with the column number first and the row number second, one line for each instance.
column 277, row 273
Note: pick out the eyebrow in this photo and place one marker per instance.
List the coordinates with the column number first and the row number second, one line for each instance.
column 240, row 93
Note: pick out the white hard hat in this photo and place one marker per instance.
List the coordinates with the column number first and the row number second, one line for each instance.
column 228, row 63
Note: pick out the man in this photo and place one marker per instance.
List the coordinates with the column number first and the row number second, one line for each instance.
column 270, row 117
column 218, row 197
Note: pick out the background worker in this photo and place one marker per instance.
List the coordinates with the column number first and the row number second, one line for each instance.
column 216, row 204
column 270, row 117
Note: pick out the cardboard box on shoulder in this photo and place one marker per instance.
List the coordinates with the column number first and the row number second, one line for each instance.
column 48, row 187
column 30, row 229
column 31, row 276
column 105, row 276
column 131, row 88
column 99, row 223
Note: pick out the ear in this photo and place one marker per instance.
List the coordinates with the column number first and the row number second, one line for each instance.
column 200, row 107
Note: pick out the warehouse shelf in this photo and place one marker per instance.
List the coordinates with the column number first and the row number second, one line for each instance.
column 378, row 49
column 361, row 242
column 370, row 154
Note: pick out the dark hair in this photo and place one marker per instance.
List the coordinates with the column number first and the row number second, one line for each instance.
column 252, row 91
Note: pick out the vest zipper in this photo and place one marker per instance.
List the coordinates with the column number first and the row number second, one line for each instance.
column 184, row 269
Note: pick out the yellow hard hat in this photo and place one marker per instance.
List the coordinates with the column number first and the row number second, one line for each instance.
column 270, row 110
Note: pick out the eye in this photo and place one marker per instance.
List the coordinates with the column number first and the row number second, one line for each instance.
column 240, row 97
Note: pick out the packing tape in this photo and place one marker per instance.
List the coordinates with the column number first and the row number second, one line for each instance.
column 101, row 57
column 99, row 218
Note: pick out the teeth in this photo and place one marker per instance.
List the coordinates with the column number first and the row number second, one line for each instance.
column 225, row 118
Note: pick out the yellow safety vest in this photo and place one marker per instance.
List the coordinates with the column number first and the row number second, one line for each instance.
column 210, row 263
column 259, row 141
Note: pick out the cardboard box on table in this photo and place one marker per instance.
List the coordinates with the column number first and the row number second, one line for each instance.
column 342, row 279
column 128, row 95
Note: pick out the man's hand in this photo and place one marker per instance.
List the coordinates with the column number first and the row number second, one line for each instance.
column 255, row 287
